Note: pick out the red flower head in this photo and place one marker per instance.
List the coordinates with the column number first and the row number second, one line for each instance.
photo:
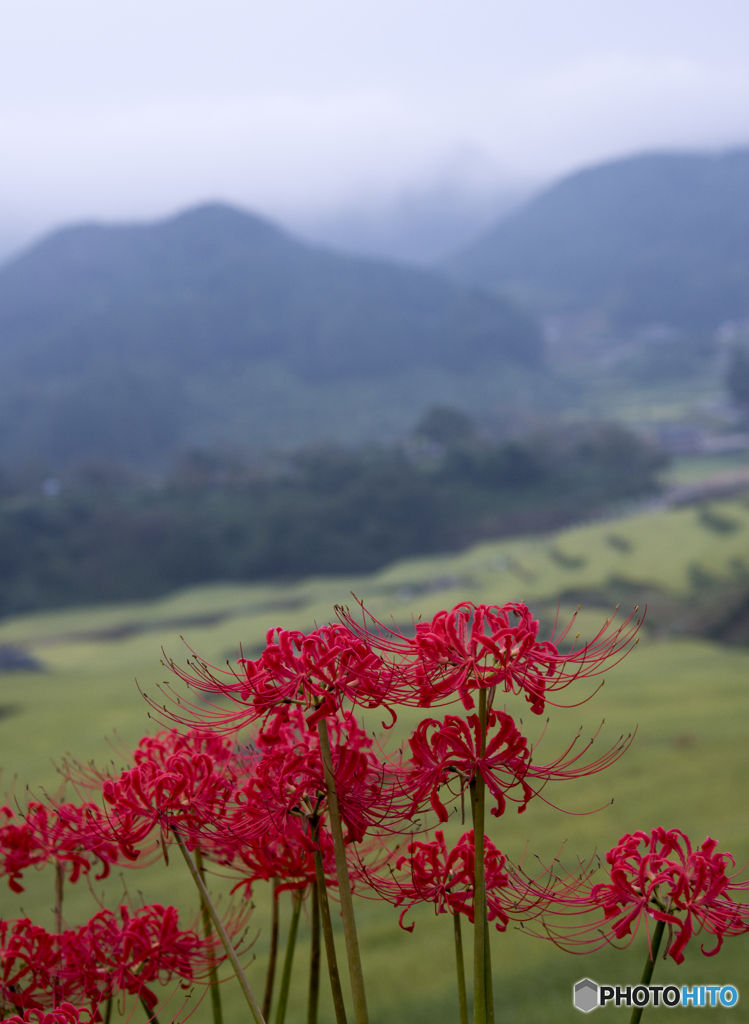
column 87, row 965
column 73, row 835
column 28, row 958
column 660, row 877
column 20, row 848
column 141, row 948
column 444, row 878
column 64, row 1014
column 176, row 781
column 288, row 858
column 450, row 751
column 447, row 750
column 288, row 781
column 314, row 671
column 481, row 646
column 66, row 833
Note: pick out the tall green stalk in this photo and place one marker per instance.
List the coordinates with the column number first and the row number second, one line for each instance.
column 327, row 928
column 462, row 997
column 647, row 974
column 353, row 956
column 273, row 955
column 153, row 1019
column 488, row 975
column 59, row 885
column 208, row 932
column 283, row 995
column 314, row 958
column 481, row 964
column 218, row 924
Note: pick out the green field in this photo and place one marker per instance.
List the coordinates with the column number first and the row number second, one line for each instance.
column 687, row 767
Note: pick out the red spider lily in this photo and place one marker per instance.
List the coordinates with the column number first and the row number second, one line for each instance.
column 20, row 848
column 186, row 788
column 443, row 751
column 101, row 958
column 287, row 858
column 28, row 957
column 315, row 671
column 72, row 834
column 288, row 781
column 141, row 948
column 64, row 1014
column 660, row 877
column 450, row 750
column 165, row 744
column 175, row 776
column 482, row 646
column 445, row 878
column 66, row 833
column 319, row 669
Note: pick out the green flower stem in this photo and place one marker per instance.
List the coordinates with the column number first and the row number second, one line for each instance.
column 356, row 975
column 153, row 1019
column 208, row 931
column 59, row 884
column 327, row 930
column 647, row 974
column 314, row 960
column 462, row 997
column 480, row 948
column 108, row 1011
column 222, row 933
column 283, row 995
column 488, row 978
column 273, row 955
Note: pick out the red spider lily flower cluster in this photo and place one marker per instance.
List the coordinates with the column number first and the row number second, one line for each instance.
column 69, row 834
column 108, row 955
column 430, row 873
column 187, row 791
column 20, row 849
column 177, row 780
column 307, row 799
column 483, row 646
column 372, row 665
column 656, row 877
column 64, row 1014
column 246, row 807
column 450, row 751
column 314, row 671
column 471, row 647
column 288, row 781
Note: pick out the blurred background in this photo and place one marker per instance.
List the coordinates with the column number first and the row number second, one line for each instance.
column 291, row 289
column 433, row 302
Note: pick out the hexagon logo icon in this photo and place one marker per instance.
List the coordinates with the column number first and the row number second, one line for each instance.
column 585, row 995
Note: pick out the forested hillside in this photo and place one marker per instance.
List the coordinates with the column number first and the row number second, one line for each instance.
column 652, row 239
column 135, row 341
column 95, row 536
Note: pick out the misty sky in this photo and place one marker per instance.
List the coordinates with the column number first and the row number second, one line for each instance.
column 301, row 108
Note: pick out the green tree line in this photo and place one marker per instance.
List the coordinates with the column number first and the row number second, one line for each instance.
column 101, row 534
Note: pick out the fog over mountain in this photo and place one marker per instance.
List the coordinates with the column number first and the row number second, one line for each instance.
column 132, row 341
column 423, row 225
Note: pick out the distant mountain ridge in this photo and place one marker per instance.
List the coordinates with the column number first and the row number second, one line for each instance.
column 656, row 238
column 122, row 340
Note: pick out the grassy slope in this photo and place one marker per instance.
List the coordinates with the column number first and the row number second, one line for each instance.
column 686, row 768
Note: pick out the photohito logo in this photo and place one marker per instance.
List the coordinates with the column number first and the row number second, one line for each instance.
column 587, row 995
